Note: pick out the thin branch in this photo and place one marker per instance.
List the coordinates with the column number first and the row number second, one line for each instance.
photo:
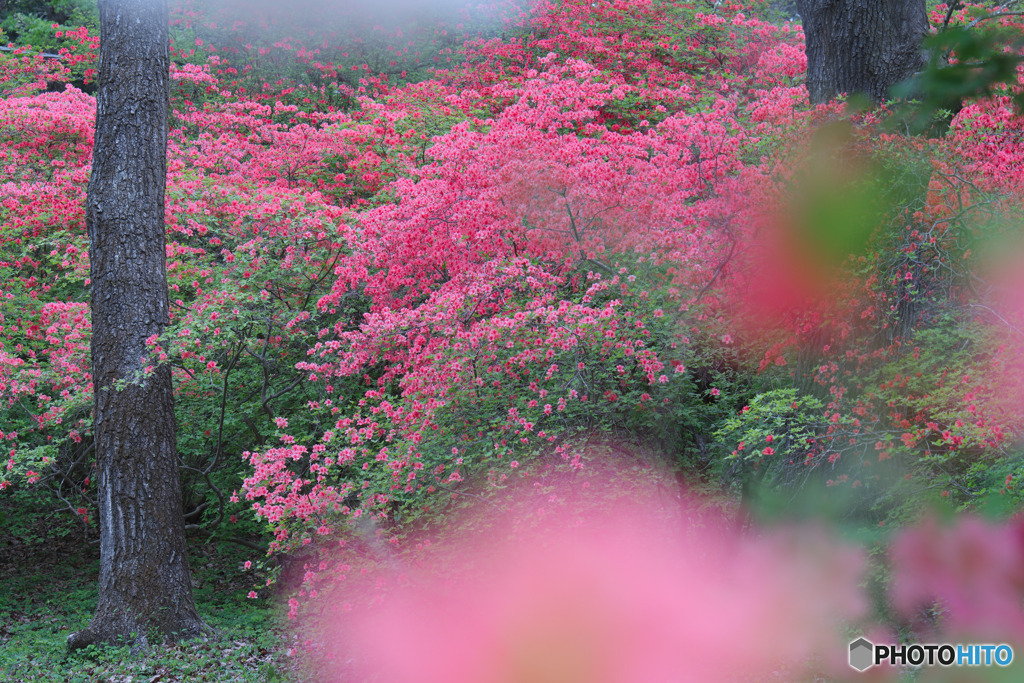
column 953, row 6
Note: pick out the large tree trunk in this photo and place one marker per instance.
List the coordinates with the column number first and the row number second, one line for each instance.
column 145, row 586
column 861, row 46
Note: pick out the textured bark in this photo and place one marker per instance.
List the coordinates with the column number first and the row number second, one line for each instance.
column 145, row 585
column 860, row 46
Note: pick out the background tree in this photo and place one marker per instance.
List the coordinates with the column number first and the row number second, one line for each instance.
column 861, row 47
column 144, row 574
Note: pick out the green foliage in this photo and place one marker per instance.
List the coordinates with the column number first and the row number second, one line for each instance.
column 235, row 353
column 949, row 445
column 841, row 198
column 31, row 22
column 964, row 62
column 777, row 427
column 996, row 485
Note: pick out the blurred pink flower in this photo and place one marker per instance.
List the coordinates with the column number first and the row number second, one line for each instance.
column 624, row 599
column 972, row 571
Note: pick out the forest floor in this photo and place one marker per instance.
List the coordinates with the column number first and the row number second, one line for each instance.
column 48, row 589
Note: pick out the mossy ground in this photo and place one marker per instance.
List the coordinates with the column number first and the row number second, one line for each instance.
column 49, row 590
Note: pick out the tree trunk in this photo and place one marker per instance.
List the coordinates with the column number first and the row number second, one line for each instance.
column 145, row 586
column 861, row 46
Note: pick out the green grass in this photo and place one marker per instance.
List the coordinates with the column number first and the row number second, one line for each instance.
column 49, row 591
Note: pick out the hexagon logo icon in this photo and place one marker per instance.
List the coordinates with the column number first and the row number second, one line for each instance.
column 861, row 654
